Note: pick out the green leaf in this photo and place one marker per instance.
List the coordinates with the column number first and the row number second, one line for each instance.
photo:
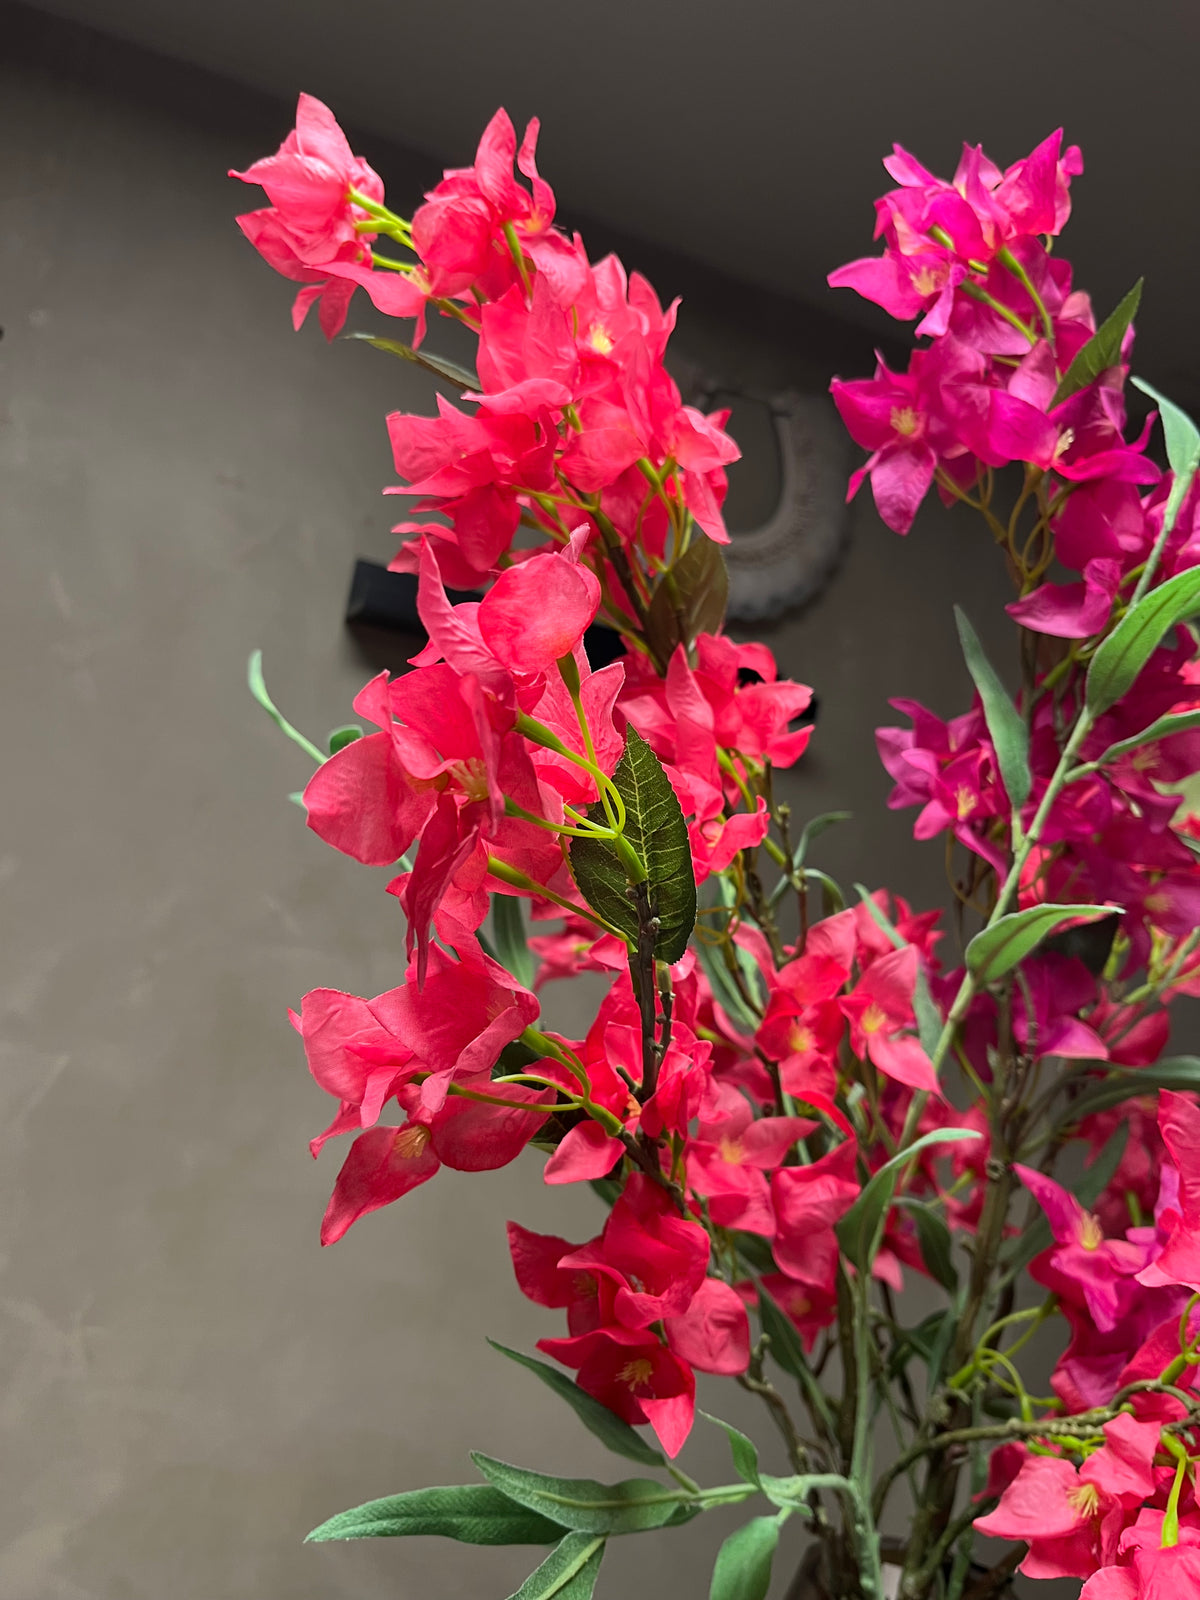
column 743, row 1566
column 1005, row 724
column 814, row 829
column 935, row 1242
column 745, row 1454
column 258, row 688
column 1135, row 638
column 568, row 1572
column 474, row 1513
column 929, row 1018
column 655, row 828
column 998, row 949
column 583, row 1503
column 341, row 737
column 1177, row 1072
column 597, row 1418
column 460, row 377
column 1174, row 722
column 1096, row 1178
column 785, row 1343
column 689, row 599
column 1103, row 349
column 1180, row 434
column 512, row 947
column 860, row 1229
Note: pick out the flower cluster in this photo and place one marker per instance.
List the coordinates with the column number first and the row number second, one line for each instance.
column 789, row 1103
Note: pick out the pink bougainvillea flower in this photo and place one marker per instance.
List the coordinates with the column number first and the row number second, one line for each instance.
column 880, row 1011
column 536, row 611
column 635, row 1375
column 308, row 182
column 1055, row 1512
column 1071, row 610
column 807, row 1202
column 1081, row 1255
column 655, row 1258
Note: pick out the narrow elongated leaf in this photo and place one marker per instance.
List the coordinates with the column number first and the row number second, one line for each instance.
column 341, row 737
column 689, row 599
column 997, row 949
column 1005, row 724
column 725, row 990
column 1180, row 433
column 1163, row 728
column 473, row 1513
column 929, row 1018
column 655, row 828
column 583, row 1503
column 568, row 1572
column 512, row 947
column 597, row 1418
column 258, row 688
column 460, row 377
column 1103, row 349
column 743, row 1565
column 1021, row 1250
column 745, row 1455
column 858, row 1231
column 1135, row 638
column 935, row 1242
column 1177, row 1072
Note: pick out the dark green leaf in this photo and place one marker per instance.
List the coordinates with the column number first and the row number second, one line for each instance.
column 1163, row 728
column 1021, row 1250
column 745, row 1455
column 655, row 828
column 568, row 1572
column 936, row 1245
column 583, row 1503
column 1005, row 723
column 1103, row 349
column 512, row 947
column 689, row 599
column 474, row 1513
column 608, row 1189
column 743, row 1566
column 860, row 1229
column 785, row 1343
column 1177, row 1072
column 449, row 370
column 258, row 688
column 1135, row 638
column 597, row 1418
column 921, row 1341
column 998, row 949
column 341, row 737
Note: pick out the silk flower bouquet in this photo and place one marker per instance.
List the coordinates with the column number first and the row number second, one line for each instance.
column 789, row 1098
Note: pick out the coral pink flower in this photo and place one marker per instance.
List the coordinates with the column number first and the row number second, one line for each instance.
column 880, row 1012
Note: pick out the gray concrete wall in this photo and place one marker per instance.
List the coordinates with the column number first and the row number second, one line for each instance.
column 187, row 1383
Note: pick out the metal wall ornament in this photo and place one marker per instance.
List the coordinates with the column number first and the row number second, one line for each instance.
column 787, row 559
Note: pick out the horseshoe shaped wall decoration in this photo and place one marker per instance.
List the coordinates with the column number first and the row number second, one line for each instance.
column 787, row 559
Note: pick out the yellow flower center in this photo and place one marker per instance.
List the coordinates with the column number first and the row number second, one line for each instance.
column 873, row 1018
column 966, row 802
column 600, row 340
column 411, row 1141
column 471, row 777
column 1085, row 1498
column 927, row 279
column 802, row 1039
column 1091, row 1234
column 636, row 1374
column 732, row 1151
column 905, row 421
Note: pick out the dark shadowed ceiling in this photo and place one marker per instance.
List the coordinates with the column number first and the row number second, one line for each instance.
column 748, row 133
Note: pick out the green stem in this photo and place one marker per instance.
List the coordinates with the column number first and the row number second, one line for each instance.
column 1008, row 260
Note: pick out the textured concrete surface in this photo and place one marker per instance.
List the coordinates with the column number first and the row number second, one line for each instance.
column 187, row 1383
